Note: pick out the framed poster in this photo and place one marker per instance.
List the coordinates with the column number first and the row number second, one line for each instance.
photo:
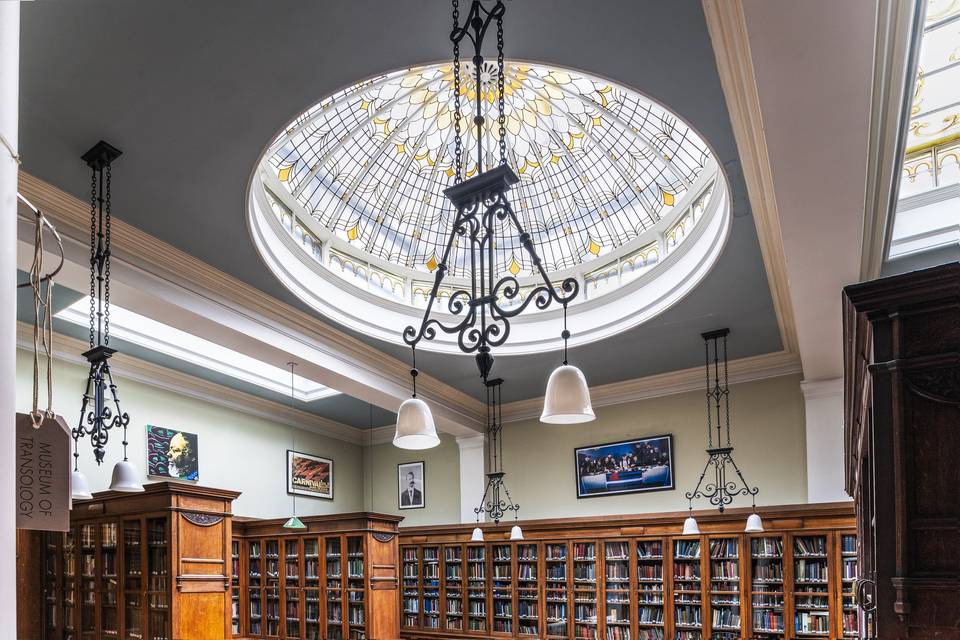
column 411, row 490
column 172, row 453
column 309, row 475
column 631, row 466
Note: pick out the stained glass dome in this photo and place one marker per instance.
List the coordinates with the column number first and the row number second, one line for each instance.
column 611, row 182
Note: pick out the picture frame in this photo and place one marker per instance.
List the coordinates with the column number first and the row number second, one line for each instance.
column 172, row 454
column 628, row 466
column 309, row 475
column 411, row 485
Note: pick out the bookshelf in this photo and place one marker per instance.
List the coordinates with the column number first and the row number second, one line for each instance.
column 637, row 578
column 336, row 580
column 150, row 566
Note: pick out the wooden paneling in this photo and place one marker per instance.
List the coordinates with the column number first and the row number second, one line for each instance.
column 902, row 439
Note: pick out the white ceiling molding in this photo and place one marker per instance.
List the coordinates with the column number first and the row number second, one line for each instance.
column 770, row 365
column 728, row 33
column 68, row 349
column 160, row 281
column 897, row 45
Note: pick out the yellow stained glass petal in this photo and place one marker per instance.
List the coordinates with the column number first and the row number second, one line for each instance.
column 432, row 263
column 514, row 266
column 353, row 232
column 284, row 174
column 593, row 247
column 667, row 198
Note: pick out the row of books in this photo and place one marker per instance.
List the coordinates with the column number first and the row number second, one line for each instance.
column 726, row 618
column 767, row 620
column 768, row 572
column 810, row 546
column 686, row 549
column 724, row 548
column 811, row 571
column 616, row 550
column 619, row 571
column 584, row 551
column 766, row 548
column 652, row 550
column 725, row 569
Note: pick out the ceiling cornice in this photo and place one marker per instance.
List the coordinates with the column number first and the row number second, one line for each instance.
column 770, row 365
column 165, row 262
column 68, row 349
column 731, row 46
column 896, row 48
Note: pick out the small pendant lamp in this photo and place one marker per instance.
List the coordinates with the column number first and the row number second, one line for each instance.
column 477, row 535
column 415, row 426
column 79, row 487
column 567, row 400
column 293, row 522
column 754, row 524
column 516, row 533
column 690, row 526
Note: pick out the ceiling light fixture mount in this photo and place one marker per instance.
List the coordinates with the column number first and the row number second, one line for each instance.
column 724, row 486
column 484, row 310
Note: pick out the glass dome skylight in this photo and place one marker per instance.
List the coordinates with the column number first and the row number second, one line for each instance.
column 611, row 184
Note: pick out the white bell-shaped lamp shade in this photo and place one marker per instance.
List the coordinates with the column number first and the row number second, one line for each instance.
column 79, row 488
column 754, row 524
column 415, row 428
column 567, row 400
column 690, row 526
column 125, row 478
column 516, row 533
column 477, row 535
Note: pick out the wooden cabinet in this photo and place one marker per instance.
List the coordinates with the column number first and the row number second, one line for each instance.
column 335, row 580
column 144, row 566
column 634, row 577
column 902, row 441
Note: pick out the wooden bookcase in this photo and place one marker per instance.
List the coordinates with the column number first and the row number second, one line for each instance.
column 902, row 408
column 635, row 578
column 141, row 566
column 335, row 580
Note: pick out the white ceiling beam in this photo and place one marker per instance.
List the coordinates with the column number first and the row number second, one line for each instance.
column 157, row 280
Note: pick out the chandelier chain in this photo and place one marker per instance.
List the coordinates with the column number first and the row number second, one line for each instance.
column 457, row 113
column 501, row 115
column 93, row 244
column 106, row 263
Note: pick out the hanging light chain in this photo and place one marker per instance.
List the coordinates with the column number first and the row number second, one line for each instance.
column 93, row 256
column 106, row 266
column 457, row 114
column 501, row 111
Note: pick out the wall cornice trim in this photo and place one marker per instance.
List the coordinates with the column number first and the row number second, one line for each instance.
column 731, row 45
column 68, row 349
column 165, row 262
column 771, row 365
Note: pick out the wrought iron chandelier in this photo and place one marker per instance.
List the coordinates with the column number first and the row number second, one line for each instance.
column 101, row 411
column 724, row 485
column 483, row 312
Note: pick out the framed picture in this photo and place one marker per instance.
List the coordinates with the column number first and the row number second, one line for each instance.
column 309, row 475
column 411, row 488
column 631, row 466
column 172, row 453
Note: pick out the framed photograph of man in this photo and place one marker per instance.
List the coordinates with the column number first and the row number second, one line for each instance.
column 309, row 475
column 411, row 490
column 172, row 453
column 631, row 466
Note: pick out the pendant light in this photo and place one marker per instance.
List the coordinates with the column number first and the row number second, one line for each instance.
column 477, row 535
column 567, row 400
column 100, row 411
column 415, row 426
column 79, row 488
column 727, row 482
column 293, row 522
column 516, row 533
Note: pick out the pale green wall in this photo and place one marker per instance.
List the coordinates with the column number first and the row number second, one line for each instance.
column 768, row 435
column 442, row 472
column 237, row 451
column 247, row 454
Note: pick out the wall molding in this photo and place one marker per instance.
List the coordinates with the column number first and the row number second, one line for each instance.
column 150, row 255
column 731, row 45
column 68, row 349
column 896, row 48
column 771, row 365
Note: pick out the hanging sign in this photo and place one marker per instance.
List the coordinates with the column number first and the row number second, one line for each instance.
column 42, row 467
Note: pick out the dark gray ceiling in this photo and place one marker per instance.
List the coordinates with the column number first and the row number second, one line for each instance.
column 342, row 408
column 192, row 91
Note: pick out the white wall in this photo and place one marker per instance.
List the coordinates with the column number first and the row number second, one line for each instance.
column 237, row 451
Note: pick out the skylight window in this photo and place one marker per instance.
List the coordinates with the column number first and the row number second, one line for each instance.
column 929, row 196
column 347, row 203
column 170, row 341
